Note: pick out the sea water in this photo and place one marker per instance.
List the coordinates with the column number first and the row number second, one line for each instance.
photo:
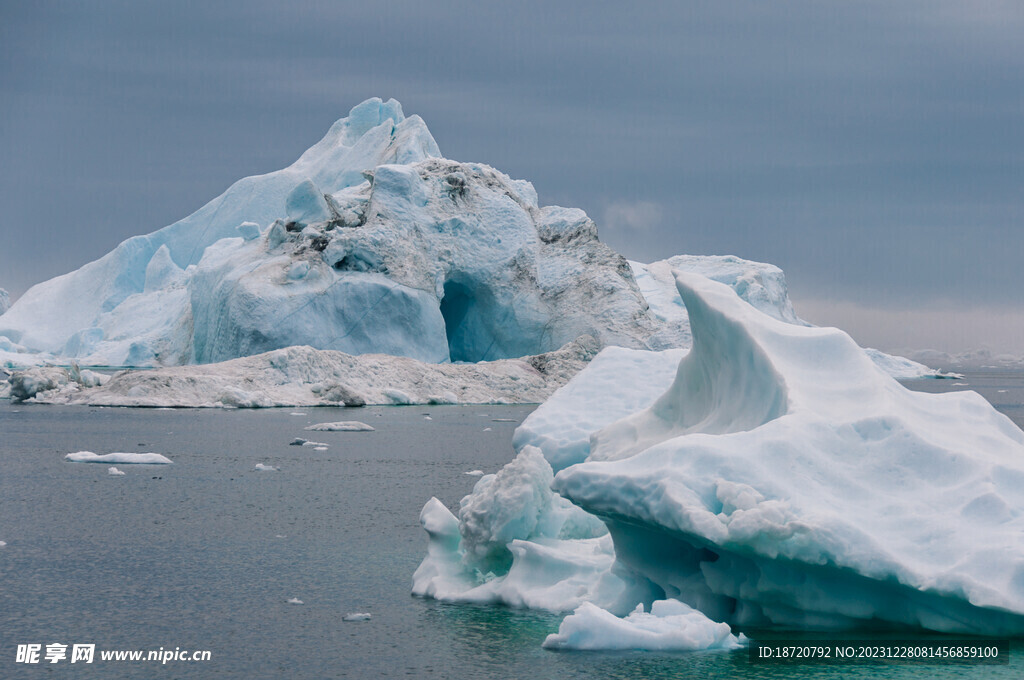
column 206, row 553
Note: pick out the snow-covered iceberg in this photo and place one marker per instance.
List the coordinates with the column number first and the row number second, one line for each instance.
column 5, row 300
column 781, row 477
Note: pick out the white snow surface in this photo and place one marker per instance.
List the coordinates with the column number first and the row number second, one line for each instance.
column 670, row 626
column 303, row 376
column 782, row 456
column 616, row 383
column 341, row 426
column 123, row 458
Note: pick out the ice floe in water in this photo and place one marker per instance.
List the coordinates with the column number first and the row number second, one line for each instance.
column 670, row 626
column 123, row 458
column 295, row 600
column 357, row 616
column 474, row 473
column 341, row 426
column 115, row 472
column 778, row 477
column 260, row 467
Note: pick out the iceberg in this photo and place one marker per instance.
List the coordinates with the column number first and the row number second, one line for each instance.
column 5, row 300
column 123, row 458
column 370, row 242
column 341, row 426
column 779, row 477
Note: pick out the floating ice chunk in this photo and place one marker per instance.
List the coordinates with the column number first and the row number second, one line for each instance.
column 123, row 458
column 427, row 418
column 266, row 468
column 341, row 426
column 317, row 445
column 357, row 616
column 296, row 413
column 298, row 441
column 319, row 448
column 488, row 429
column 474, row 473
column 114, row 471
column 670, row 626
column 3, row 544
column 295, row 600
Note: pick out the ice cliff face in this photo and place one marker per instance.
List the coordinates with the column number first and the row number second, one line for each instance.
column 370, row 242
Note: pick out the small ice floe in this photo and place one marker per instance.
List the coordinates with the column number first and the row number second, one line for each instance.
column 488, row 429
column 474, row 473
column 427, row 418
column 341, row 426
column 2, row 544
column 280, row 536
column 961, row 384
column 1000, row 391
column 298, row 441
column 670, row 626
column 316, row 445
column 123, row 458
column 266, row 468
column 503, row 420
column 295, row 600
column 319, row 448
column 357, row 616
column 114, row 471
column 296, row 413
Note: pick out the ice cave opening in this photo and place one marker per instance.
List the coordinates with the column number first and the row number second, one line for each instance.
column 468, row 340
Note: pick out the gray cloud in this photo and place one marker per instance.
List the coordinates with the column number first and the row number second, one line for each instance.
column 873, row 150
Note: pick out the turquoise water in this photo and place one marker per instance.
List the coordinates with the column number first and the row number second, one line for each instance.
column 206, row 553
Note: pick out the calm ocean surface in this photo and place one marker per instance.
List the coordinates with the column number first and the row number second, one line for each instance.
column 205, row 554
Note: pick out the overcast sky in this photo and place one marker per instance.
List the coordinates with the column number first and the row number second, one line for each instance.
column 873, row 150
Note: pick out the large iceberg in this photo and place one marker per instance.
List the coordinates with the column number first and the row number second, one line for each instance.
column 780, row 478
column 370, row 242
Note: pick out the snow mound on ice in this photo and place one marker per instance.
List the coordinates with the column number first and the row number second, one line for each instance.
column 341, row 426
column 670, row 626
column 782, row 456
column 123, row 458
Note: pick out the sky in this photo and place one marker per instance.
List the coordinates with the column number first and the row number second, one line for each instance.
column 873, row 150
